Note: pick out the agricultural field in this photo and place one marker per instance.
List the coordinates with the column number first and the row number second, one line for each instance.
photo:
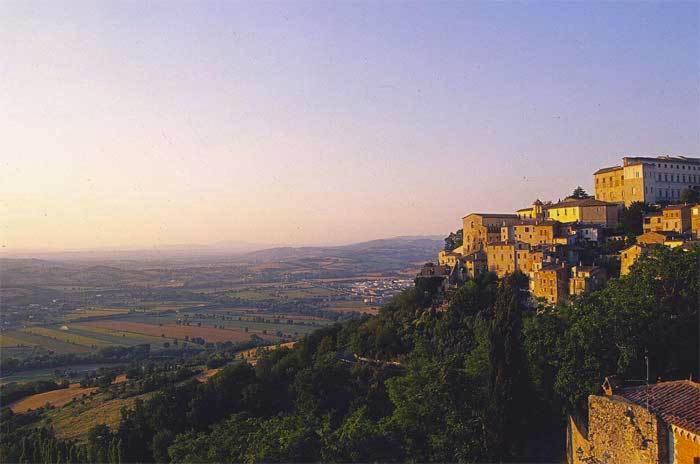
column 56, row 398
column 66, row 336
column 174, row 331
column 116, row 337
column 74, row 420
column 345, row 306
column 81, row 313
column 25, row 338
column 72, row 372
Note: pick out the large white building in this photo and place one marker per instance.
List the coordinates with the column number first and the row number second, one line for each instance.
column 650, row 180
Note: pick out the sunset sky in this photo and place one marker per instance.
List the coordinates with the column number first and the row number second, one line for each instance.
column 142, row 124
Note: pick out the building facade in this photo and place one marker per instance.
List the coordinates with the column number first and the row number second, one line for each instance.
column 480, row 229
column 655, row 424
column 550, row 282
column 677, row 218
column 647, row 179
column 587, row 211
column 585, row 279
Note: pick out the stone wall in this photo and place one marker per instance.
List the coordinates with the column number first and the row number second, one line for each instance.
column 686, row 447
column 621, row 432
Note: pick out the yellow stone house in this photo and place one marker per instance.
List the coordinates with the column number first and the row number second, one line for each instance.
column 588, row 211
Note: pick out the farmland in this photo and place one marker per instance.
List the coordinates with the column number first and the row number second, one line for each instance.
column 173, row 331
column 55, row 398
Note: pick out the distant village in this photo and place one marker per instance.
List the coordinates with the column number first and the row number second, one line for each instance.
column 572, row 246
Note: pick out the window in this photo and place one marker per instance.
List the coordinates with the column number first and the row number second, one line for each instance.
column 666, row 177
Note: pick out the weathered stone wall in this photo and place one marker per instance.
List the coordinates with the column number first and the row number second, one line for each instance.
column 621, row 432
column 686, row 447
column 577, row 447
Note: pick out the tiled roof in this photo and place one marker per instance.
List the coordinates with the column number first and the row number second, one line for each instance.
column 583, row 202
column 610, row 169
column 677, row 402
column 493, row 215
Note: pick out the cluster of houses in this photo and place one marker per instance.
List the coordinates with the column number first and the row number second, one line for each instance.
column 557, row 244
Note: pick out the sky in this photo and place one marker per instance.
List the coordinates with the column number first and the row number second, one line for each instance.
column 154, row 123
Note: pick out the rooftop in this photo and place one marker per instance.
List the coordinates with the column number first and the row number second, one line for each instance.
column 610, row 169
column 677, row 402
column 673, row 207
column 627, row 160
column 493, row 215
column 583, row 202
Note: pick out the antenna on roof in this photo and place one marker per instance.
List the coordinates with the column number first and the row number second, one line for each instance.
column 646, row 390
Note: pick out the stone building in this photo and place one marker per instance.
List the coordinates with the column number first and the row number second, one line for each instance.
column 587, row 211
column 695, row 221
column 653, row 222
column 647, row 179
column 474, row 264
column 532, row 232
column 629, row 256
column 676, row 218
column 653, row 424
column 480, row 229
column 534, row 212
column 660, row 237
column 550, row 282
column 585, row 279
column 448, row 258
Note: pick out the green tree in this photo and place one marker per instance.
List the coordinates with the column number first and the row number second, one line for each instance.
column 454, row 240
column 689, row 195
column 632, row 217
column 579, row 193
column 507, row 382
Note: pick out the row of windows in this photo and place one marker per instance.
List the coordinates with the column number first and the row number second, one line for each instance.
column 668, row 193
column 677, row 166
column 616, row 183
column 691, row 178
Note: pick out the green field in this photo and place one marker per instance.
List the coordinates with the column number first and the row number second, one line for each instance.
column 115, row 337
column 300, row 326
column 67, row 336
column 49, row 343
column 48, row 373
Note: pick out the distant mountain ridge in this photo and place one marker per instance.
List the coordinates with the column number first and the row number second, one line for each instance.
column 404, row 248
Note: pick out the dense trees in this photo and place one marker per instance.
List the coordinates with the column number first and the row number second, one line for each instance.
column 454, row 240
column 486, row 380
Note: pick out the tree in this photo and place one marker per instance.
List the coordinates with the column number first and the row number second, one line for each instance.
column 454, row 240
column 579, row 193
column 689, row 195
column 506, row 411
column 632, row 217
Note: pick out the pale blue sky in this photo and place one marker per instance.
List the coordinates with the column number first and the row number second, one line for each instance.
column 152, row 123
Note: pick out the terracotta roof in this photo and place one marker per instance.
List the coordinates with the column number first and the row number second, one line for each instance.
column 493, row 215
column 583, row 202
column 677, row 402
column 610, row 169
column 533, row 222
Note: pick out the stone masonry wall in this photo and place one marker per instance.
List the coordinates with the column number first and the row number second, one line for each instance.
column 621, row 432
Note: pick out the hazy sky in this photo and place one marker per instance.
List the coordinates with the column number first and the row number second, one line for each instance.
column 153, row 123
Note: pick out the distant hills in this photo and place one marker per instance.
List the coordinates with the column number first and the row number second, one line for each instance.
column 409, row 249
column 222, row 262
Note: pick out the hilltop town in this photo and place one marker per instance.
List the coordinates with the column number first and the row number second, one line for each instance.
column 572, row 246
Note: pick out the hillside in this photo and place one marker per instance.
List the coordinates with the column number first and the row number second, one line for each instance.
column 471, row 376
